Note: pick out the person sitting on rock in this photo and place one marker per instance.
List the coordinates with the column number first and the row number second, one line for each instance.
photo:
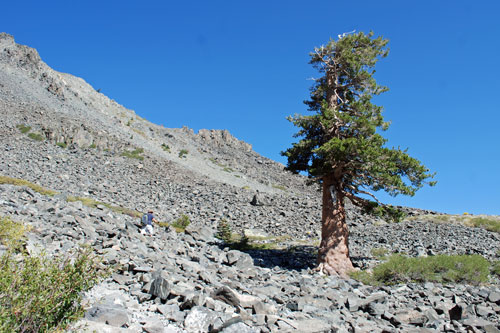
column 147, row 222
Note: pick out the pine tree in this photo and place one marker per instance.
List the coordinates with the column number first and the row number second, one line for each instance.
column 339, row 144
column 224, row 231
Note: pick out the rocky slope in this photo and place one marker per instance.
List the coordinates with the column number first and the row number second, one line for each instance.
column 189, row 282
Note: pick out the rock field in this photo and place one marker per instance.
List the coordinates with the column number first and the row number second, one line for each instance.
column 191, row 282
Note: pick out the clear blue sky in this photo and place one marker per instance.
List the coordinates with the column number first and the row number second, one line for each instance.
column 243, row 66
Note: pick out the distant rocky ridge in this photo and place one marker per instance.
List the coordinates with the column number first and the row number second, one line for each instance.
column 190, row 282
column 66, row 109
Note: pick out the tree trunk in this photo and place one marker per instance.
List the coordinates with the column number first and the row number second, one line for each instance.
column 333, row 255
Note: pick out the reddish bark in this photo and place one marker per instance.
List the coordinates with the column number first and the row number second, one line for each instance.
column 333, row 254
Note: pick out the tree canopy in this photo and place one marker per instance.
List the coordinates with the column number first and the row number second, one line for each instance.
column 341, row 136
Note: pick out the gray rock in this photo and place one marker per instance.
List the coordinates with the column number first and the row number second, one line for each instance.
column 113, row 316
column 494, row 297
column 160, row 287
column 199, row 319
column 240, row 328
column 200, row 233
column 154, row 326
column 172, row 312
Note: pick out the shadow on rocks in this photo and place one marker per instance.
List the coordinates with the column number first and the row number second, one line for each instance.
column 292, row 258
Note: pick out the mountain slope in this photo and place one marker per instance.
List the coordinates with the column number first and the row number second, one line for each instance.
column 58, row 132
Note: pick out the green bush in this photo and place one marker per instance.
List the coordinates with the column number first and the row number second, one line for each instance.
column 11, row 233
column 471, row 269
column 23, row 128
column 182, row 222
column 93, row 146
column 165, row 147
column 183, row 153
column 134, row 154
column 62, row 144
column 40, row 294
column 495, row 268
column 224, row 231
column 35, row 136
column 379, row 252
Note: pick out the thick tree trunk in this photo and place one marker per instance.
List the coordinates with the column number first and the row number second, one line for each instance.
column 333, row 255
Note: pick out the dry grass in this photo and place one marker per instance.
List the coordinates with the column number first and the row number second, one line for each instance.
column 89, row 202
column 22, row 182
column 488, row 222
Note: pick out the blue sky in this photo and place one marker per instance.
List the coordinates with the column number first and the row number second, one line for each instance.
column 243, row 66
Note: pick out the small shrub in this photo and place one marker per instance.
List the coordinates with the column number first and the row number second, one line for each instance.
column 62, row 144
column 93, row 146
column 165, row 147
column 279, row 187
column 182, row 222
column 495, row 268
column 379, row 252
column 224, row 231
column 228, row 169
column 23, row 128
column 35, row 136
column 22, row 182
column 134, row 154
column 162, row 224
column 243, row 244
column 41, row 294
column 246, row 187
column 11, row 233
column 472, row 269
column 183, row 153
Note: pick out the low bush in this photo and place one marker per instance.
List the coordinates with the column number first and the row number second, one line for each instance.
column 23, row 128
column 495, row 268
column 11, row 233
column 471, row 269
column 165, row 147
column 38, row 293
column 22, row 182
column 379, row 252
column 182, row 222
column 183, row 153
column 134, row 154
column 35, row 136
column 62, row 144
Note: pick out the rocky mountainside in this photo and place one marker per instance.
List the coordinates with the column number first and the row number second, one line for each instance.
column 60, row 133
